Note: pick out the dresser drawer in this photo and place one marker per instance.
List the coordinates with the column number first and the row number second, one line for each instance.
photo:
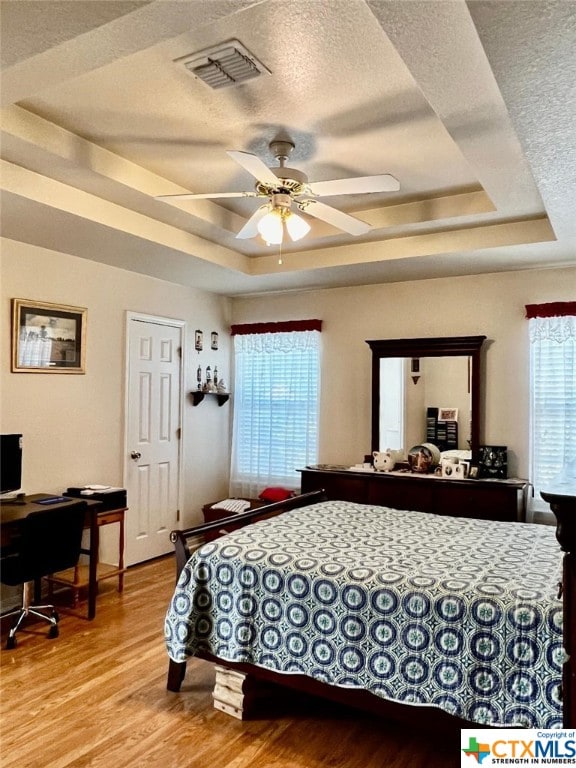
column 480, row 500
column 346, row 487
column 395, row 492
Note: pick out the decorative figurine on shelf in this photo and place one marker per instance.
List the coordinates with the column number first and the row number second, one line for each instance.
column 221, row 388
column 199, row 377
column 208, row 386
column 216, row 376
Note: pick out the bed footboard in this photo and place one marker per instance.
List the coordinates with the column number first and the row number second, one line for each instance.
column 563, row 504
column 182, row 539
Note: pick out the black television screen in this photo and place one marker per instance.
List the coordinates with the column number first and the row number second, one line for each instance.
column 10, row 463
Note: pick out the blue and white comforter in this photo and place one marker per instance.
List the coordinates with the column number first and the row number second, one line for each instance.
column 461, row 614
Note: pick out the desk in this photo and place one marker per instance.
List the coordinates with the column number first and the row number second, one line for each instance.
column 12, row 513
column 81, row 576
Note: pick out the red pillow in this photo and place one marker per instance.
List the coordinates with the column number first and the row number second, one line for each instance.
column 276, row 494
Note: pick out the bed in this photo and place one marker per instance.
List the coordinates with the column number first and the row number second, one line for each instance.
column 456, row 615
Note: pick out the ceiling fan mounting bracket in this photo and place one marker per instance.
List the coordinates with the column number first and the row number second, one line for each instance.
column 281, row 150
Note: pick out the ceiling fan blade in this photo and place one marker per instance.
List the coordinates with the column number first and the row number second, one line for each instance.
column 355, row 186
column 335, row 217
column 254, row 165
column 250, row 229
column 206, row 195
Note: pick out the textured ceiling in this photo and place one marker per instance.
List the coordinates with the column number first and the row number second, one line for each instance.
column 471, row 106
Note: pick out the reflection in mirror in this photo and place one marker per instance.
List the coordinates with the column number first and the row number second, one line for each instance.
column 409, row 398
column 426, row 390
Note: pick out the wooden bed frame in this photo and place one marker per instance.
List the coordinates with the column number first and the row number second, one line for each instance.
column 564, row 507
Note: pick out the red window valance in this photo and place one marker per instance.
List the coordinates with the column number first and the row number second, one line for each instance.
column 282, row 327
column 554, row 309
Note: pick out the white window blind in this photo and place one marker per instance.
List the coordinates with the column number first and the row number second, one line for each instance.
column 276, row 409
column 553, row 398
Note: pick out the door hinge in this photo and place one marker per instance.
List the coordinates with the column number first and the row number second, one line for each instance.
column 177, row 515
column 179, row 433
column 179, row 350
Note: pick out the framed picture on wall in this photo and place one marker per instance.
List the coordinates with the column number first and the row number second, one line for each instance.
column 48, row 338
column 198, row 341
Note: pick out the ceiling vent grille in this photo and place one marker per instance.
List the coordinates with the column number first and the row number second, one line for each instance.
column 224, row 65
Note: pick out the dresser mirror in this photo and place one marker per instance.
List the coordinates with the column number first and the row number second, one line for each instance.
column 411, row 376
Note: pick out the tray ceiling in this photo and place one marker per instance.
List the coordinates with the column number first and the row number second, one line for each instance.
column 471, row 106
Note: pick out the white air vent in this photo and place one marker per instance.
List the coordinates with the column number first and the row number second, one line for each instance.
column 227, row 64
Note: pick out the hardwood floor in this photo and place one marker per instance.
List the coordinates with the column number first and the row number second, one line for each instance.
column 96, row 696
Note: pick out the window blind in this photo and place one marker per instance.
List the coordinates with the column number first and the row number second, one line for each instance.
column 553, row 391
column 276, row 409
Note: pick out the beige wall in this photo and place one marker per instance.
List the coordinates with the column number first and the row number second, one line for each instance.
column 73, row 425
column 490, row 305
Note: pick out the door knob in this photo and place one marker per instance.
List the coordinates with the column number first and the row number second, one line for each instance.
column 135, row 455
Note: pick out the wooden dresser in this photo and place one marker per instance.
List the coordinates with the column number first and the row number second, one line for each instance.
column 484, row 499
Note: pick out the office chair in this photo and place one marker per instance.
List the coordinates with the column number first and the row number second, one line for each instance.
column 47, row 541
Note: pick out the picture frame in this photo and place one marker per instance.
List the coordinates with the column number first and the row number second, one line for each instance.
column 48, row 338
column 214, row 340
column 493, row 461
column 198, row 341
column 447, row 414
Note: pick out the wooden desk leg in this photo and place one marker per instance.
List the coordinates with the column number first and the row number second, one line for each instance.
column 93, row 565
column 121, row 554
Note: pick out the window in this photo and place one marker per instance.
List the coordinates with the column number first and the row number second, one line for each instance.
column 552, row 392
column 276, row 404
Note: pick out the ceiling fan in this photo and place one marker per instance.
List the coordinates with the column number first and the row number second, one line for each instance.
column 285, row 187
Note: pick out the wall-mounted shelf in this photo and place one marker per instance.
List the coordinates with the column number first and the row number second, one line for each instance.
column 198, row 396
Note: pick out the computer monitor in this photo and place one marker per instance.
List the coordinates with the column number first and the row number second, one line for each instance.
column 10, row 463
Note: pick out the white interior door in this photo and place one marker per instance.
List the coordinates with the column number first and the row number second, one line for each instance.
column 153, row 435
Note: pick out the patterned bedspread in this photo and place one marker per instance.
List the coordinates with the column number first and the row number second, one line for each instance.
column 461, row 614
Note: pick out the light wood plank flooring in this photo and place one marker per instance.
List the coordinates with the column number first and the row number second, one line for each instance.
column 96, row 696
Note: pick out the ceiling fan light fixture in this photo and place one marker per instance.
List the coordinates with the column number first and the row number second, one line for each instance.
column 270, row 227
column 296, row 226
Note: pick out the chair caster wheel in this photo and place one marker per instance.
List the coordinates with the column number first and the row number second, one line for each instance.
column 53, row 631
column 55, row 616
column 10, row 643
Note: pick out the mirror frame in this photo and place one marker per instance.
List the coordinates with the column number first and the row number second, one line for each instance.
column 442, row 346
